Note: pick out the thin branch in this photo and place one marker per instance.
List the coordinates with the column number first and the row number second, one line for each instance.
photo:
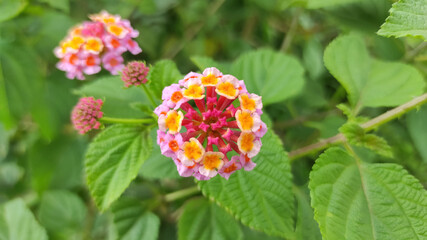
column 291, row 33
column 368, row 126
column 181, row 194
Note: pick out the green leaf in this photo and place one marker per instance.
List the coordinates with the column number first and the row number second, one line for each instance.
column 4, row 142
column 306, row 228
column 158, row 166
column 205, row 62
column 370, row 82
column 64, row 166
column 313, row 4
column 203, row 220
column 63, row 5
column 357, row 200
column 113, row 161
column 118, row 99
column 407, row 18
column 262, row 198
column 357, row 136
column 11, row 8
column 163, row 74
column 133, row 222
column 416, row 122
column 62, row 212
column 17, row 222
column 274, row 76
column 19, row 70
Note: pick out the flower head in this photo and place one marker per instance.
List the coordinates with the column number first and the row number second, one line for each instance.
column 86, row 113
column 105, row 38
column 135, row 73
column 209, row 124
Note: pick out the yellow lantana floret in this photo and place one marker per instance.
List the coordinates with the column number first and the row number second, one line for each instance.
column 192, row 151
column 228, row 87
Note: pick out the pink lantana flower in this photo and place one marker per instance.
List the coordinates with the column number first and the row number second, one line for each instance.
column 135, row 73
column 209, row 124
column 106, row 37
column 86, row 113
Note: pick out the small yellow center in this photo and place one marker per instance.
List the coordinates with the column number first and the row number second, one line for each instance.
column 227, row 88
column 247, row 103
column 210, row 80
column 247, row 142
column 246, row 121
column 93, row 44
column 192, row 150
column 115, row 30
column 193, row 91
column 173, row 121
column 76, row 42
column 211, row 161
column 109, row 20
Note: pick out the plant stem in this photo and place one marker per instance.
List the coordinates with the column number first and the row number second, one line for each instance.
column 181, row 194
column 148, row 93
column 126, row 120
column 368, row 126
column 291, row 32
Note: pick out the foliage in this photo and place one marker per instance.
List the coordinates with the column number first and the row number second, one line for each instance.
column 343, row 77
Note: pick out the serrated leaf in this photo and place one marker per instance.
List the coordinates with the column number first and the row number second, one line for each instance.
column 158, row 166
column 407, row 18
column 203, row 220
column 262, row 198
column 356, row 135
column 273, row 75
column 117, row 98
column 370, row 82
column 416, row 123
column 18, row 222
column 113, row 161
column 163, row 74
column 357, row 200
column 11, row 8
column 133, row 222
column 62, row 212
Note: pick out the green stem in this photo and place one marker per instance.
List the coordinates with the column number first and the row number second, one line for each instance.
column 181, row 194
column 126, row 120
column 368, row 126
column 150, row 97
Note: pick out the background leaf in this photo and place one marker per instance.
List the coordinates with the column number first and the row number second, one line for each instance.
column 113, row 161
column 133, row 222
column 203, row 220
column 18, row 222
column 62, row 212
column 370, row 82
column 418, row 130
column 261, row 198
column 407, row 18
column 163, row 74
column 117, row 99
column 273, row 75
column 11, row 8
column 357, row 200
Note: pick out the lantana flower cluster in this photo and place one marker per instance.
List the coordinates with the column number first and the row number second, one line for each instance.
column 102, row 40
column 210, row 124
